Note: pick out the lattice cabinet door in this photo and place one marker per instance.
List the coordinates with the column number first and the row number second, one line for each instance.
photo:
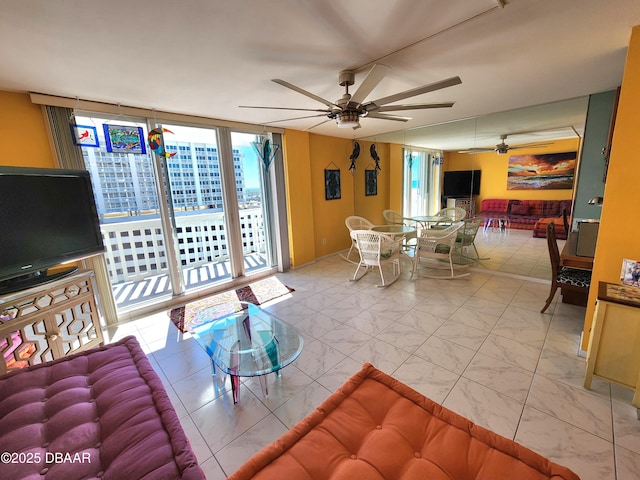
column 48, row 322
column 25, row 342
column 76, row 326
column 469, row 205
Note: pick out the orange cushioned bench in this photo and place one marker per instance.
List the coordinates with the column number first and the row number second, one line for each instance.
column 375, row 427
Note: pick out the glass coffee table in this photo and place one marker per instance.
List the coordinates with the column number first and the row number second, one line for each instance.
column 248, row 342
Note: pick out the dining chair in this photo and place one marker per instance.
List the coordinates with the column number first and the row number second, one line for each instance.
column 467, row 238
column 377, row 250
column 566, row 222
column 434, row 248
column 453, row 214
column 573, row 279
column 355, row 222
column 394, row 218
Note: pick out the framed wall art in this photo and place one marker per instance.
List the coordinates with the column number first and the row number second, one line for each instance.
column 123, row 138
column 332, row 184
column 85, row 135
column 630, row 274
column 548, row 171
column 370, row 182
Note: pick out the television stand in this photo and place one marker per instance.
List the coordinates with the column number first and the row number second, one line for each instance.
column 48, row 321
column 469, row 204
column 31, row 280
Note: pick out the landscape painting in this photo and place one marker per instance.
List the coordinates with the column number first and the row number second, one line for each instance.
column 549, row 171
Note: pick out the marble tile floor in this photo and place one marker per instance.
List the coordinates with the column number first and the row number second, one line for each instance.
column 514, row 251
column 478, row 345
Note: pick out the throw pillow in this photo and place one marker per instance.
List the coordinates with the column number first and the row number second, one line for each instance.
column 520, row 209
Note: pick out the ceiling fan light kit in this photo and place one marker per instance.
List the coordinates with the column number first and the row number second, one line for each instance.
column 348, row 119
column 349, row 109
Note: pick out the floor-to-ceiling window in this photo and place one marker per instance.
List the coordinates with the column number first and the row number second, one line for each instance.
column 169, row 223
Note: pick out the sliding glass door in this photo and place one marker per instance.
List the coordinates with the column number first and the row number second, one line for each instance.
column 254, row 195
column 184, row 208
column 421, row 186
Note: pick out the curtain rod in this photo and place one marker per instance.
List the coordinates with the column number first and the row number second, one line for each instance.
column 109, row 108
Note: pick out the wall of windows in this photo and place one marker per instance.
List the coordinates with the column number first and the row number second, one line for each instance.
column 169, row 221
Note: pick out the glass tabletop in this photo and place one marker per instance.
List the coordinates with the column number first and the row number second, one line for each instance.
column 393, row 229
column 430, row 218
column 249, row 342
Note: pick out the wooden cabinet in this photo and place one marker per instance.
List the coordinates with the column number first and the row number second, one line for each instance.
column 469, row 205
column 48, row 322
column 614, row 344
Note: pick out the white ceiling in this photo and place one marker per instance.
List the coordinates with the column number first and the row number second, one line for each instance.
column 207, row 57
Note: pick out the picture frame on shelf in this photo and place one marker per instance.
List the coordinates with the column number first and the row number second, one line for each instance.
column 630, row 273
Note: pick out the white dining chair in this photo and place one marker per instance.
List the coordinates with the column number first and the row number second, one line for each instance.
column 377, row 250
column 355, row 222
column 434, row 251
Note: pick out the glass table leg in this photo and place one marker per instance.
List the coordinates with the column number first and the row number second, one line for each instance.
column 219, row 379
column 263, row 385
column 235, row 388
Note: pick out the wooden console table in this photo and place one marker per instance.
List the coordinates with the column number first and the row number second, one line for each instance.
column 568, row 258
column 48, row 322
column 614, row 344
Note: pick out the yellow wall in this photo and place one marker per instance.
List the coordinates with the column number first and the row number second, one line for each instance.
column 371, row 207
column 23, row 138
column 316, row 225
column 299, row 206
column 328, row 215
column 494, row 167
column 619, row 230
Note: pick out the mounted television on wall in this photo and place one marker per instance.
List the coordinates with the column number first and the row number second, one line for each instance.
column 461, row 183
column 48, row 217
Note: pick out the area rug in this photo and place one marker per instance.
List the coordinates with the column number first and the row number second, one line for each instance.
column 216, row 306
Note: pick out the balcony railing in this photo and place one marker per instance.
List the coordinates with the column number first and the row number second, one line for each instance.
column 136, row 253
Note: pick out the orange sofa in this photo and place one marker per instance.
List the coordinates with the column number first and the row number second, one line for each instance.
column 375, row 427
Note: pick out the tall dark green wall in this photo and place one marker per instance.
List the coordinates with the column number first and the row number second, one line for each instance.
column 590, row 174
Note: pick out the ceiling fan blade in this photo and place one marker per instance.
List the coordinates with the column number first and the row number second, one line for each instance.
column 393, row 108
column 388, row 117
column 530, row 145
column 304, row 92
column 286, row 108
column 318, row 124
column 373, row 78
column 477, row 150
column 449, row 82
column 294, row 118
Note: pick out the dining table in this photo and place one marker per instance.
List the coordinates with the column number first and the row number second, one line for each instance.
column 427, row 221
column 394, row 231
column 398, row 232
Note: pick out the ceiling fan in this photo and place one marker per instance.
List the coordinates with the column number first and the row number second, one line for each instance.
column 349, row 109
column 503, row 148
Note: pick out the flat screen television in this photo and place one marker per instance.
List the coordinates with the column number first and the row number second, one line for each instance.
column 47, row 217
column 461, row 183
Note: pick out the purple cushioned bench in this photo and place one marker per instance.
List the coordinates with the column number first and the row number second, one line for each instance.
column 102, row 413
